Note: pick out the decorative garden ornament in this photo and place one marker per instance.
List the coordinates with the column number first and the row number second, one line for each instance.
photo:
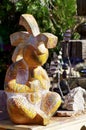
column 27, row 83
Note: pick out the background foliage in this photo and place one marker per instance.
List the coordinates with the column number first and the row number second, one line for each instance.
column 54, row 16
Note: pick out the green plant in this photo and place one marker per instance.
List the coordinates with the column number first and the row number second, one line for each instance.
column 54, row 16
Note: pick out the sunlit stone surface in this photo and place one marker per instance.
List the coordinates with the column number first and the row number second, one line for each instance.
column 26, row 82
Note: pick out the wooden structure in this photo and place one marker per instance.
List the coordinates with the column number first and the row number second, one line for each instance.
column 56, row 123
column 81, row 7
column 81, row 29
column 77, row 49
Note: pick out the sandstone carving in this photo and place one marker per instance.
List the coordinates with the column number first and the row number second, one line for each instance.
column 26, row 82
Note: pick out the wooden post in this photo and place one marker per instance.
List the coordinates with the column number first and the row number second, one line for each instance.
column 81, row 7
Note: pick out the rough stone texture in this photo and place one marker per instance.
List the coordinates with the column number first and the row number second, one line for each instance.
column 75, row 100
column 27, row 84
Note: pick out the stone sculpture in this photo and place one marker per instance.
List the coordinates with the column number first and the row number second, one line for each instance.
column 27, row 84
column 75, row 100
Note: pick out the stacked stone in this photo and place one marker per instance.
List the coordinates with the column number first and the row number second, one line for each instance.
column 52, row 69
column 75, row 100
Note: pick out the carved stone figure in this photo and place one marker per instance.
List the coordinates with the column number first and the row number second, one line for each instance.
column 27, row 83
